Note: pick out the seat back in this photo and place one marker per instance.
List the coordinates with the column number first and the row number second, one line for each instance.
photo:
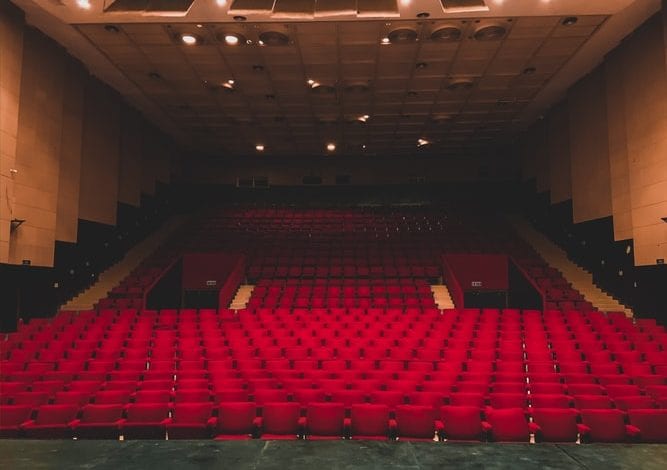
column 461, row 422
column 369, row 420
column 236, row 417
column 56, row 414
column 508, row 425
column 652, row 424
column 101, row 413
column 13, row 415
column 197, row 412
column 281, row 418
column 605, row 425
column 415, row 421
column 557, row 424
column 147, row 412
column 325, row 419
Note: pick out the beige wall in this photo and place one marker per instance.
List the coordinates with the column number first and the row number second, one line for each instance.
column 70, row 152
column 100, row 154
column 617, row 121
column 558, row 149
column 645, row 93
column 38, row 150
column 589, row 149
column 618, row 147
column 11, row 59
column 60, row 128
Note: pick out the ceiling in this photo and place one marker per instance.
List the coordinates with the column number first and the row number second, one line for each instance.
column 365, row 96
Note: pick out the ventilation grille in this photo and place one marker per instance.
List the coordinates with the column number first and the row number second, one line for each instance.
column 149, row 6
column 304, row 9
column 461, row 6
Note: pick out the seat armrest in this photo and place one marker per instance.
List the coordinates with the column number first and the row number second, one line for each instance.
column 486, row 426
column 165, row 421
column 212, row 422
column 257, row 422
column 583, row 429
column 24, row 424
column 632, row 431
column 393, row 426
column 74, row 423
column 119, row 423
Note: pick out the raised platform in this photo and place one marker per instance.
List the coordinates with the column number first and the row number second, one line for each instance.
column 257, row 454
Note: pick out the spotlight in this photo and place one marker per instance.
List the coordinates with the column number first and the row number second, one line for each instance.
column 231, row 39
column 189, row 39
column 259, row 147
column 422, row 142
column 331, row 146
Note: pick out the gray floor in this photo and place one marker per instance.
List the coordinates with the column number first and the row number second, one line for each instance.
column 321, row 455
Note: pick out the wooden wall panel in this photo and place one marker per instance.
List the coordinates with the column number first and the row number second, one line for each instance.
column 131, row 148
column 558, row 147
column 11, row 59
column 38, row 150
column 618, row 147
column 589, row 149
column 645, row 93
column 100, row 154
column 70, row 152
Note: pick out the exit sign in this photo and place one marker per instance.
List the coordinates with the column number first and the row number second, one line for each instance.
column 211, row 283
column 476, row 283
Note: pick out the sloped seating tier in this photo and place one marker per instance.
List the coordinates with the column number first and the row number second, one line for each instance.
column 341, row 338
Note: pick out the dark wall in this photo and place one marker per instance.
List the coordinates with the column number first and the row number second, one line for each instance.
column 591, row 245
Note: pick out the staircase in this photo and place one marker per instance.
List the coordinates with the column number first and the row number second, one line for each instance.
column 242, row 297
column 441, row 296
column 110, row 278
column 580, row 279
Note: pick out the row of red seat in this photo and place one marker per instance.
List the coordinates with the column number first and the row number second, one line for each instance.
column 240, row 420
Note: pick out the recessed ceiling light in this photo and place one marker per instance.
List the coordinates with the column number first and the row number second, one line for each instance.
column 331, row 146
column 229, row 84
column 231, row 39
column 274, row 38
column 386, row 40
column 406, row 3
column 155, row 75
column 85, row 4
column 259, row 147
column 422, row 142
column 402, row 36
column 448, row 33
column 221, row 3
column 189, row 39
column 570, row 20
column 421, row 65
column 199, row 25
column 423, row 14
column 363, row 146
column 529, row 70
column 258, row 67
column 363, row 118
column 111, row 28
column 310, row 82
column 240, row 18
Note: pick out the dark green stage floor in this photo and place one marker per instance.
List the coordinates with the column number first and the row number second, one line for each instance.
column 322, row 455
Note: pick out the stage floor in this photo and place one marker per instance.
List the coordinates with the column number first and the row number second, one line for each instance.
column 323, row 455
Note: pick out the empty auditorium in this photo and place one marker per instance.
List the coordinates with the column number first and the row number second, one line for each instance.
column 350, row 234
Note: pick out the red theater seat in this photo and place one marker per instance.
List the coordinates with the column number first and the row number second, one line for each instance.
column 236, row 420
column 191, row 421
column 280, row 421
column 324, row 421
column 601, row 425
column 11, row 418
column 652, row 424
column 462, row 423
column 146, row 421
column 508, row 425
column 52, row 422
column 369, row 421
column 554, row 424
column 414, row 422
column 98, row 422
